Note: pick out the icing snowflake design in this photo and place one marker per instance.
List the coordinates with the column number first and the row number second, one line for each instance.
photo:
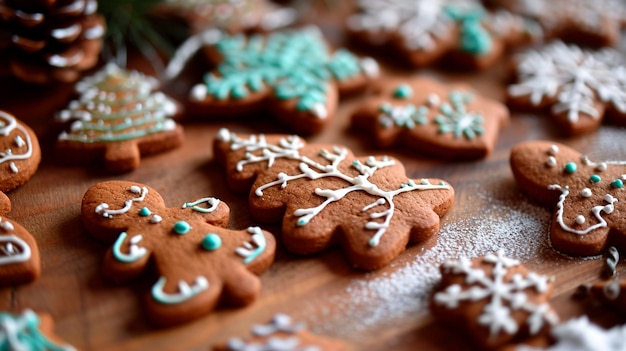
column 454, row 117
column 288, row 148
column 293, row 64
column 503, row 297
column 8, row 124
column 21, row 332
column 402, row 116
column 572, row 80
column 280, row 324
column 117, row 105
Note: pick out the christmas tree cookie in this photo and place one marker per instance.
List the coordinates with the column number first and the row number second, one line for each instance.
column 292, row 75
column 579, row 87
column 325, row 196
column 588, row 197
column 495, row 300
column 432, row 118
column 199, row 261
column 118, row 117
column 425, row 31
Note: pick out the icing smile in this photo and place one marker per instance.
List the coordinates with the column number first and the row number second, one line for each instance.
column 13, row 250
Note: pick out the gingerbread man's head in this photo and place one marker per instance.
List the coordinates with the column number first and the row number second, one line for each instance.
column 199, row 261
column 588, row 196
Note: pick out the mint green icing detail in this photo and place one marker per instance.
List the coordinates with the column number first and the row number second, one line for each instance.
column 292, row 64
column 475, row 39
column 617, row 183
column 302, row 221
column 595, row 178
column 144, row 212
column 211, row 242
column 403, row 91
column 454, row 117
column 133, row 255
column 21, row 332
column 182, row 227
column 570, row 167
column 402, row 116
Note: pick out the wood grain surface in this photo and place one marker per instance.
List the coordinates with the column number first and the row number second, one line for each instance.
column 323, row 290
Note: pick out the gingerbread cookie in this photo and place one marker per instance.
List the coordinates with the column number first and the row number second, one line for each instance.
column 325, row 196
column 495, row 299
column 21, row 155
column 118, row 117
column 580, row 87
column 425, row 31
column 428, row 116
column 291, row 74
column 591, row 23
column 19, row 254
column 199, row 261
column 281, row 333
column 611, row 293
column 48, row 41
column 231, row 16
column 29, row 331
column 588, row 196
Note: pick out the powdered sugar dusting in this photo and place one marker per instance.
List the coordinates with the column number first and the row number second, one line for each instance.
column 508, row 220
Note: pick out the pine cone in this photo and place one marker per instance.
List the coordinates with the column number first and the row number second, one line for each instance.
column 42, row 41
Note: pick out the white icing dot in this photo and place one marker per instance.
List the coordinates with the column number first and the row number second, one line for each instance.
column 156, row 219
column 601, row 167
column 135, row 189
column 6, row 226
column 580, row 219
column 586, row 192
column 13, row 167
column 433, row 100
column 553, row 150
column 198, row 92
column 551, row 161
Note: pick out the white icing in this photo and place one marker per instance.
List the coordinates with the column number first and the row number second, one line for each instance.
column 554, row 149
column 370, row 67
column 401, row 116
column 185, row 291
column 104, row 210
column 156, row 219
column 250, row 250
column 211, row 202
column 63, row 61
column 503, row 298
column 186, row 51
column 288, row 148
column 576, row 77
column 135, row 252
column 586, row 192
column 551, row 161
column 280, row 323
column 596, row 210
column 8, row 124
column 67, row 32
column 580, row 219
column 13, row 249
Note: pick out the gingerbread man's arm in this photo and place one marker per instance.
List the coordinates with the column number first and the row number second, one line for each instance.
column 5, row 204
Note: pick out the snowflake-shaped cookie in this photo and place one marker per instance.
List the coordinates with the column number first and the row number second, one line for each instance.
column 579, row 86
column 586, row 22
column 427, row 30
column 199, row 261
column 326, row 196
column 495, row 299
column 431, row 117
column 282, row 334
column 588, row 196
column 118, row 117
column 29, row 331
column 293, row 74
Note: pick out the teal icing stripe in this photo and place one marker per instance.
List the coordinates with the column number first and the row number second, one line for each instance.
column 475, row 39
column 22, row 333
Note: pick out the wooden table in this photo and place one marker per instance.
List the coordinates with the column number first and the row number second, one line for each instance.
column 380, row 310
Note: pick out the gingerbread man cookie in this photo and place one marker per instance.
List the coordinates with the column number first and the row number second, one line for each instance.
column 495, row 299
column 580, row 87
column 425, row 31
column 281, row 333
column 199, row 261
column 428, row 116
column 326, row 196
column 20, row 155
column 292, row 74
column 588, row 196
column 29, row 331
column 118, row 117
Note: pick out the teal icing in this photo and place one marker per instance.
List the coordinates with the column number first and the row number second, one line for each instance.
column 181, row 227
column 454, row 117
column 475, row 39
column 403, row 91
column 130, row 257
column 211, row 242
column 21, row 332
column 293, row 64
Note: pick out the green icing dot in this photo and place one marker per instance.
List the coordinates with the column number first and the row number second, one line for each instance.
column 617, row 183
column 595, row 178
column 570, row 167
column 144, row 212
column 403, row 91
column 211, row 242
column 182, row 227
